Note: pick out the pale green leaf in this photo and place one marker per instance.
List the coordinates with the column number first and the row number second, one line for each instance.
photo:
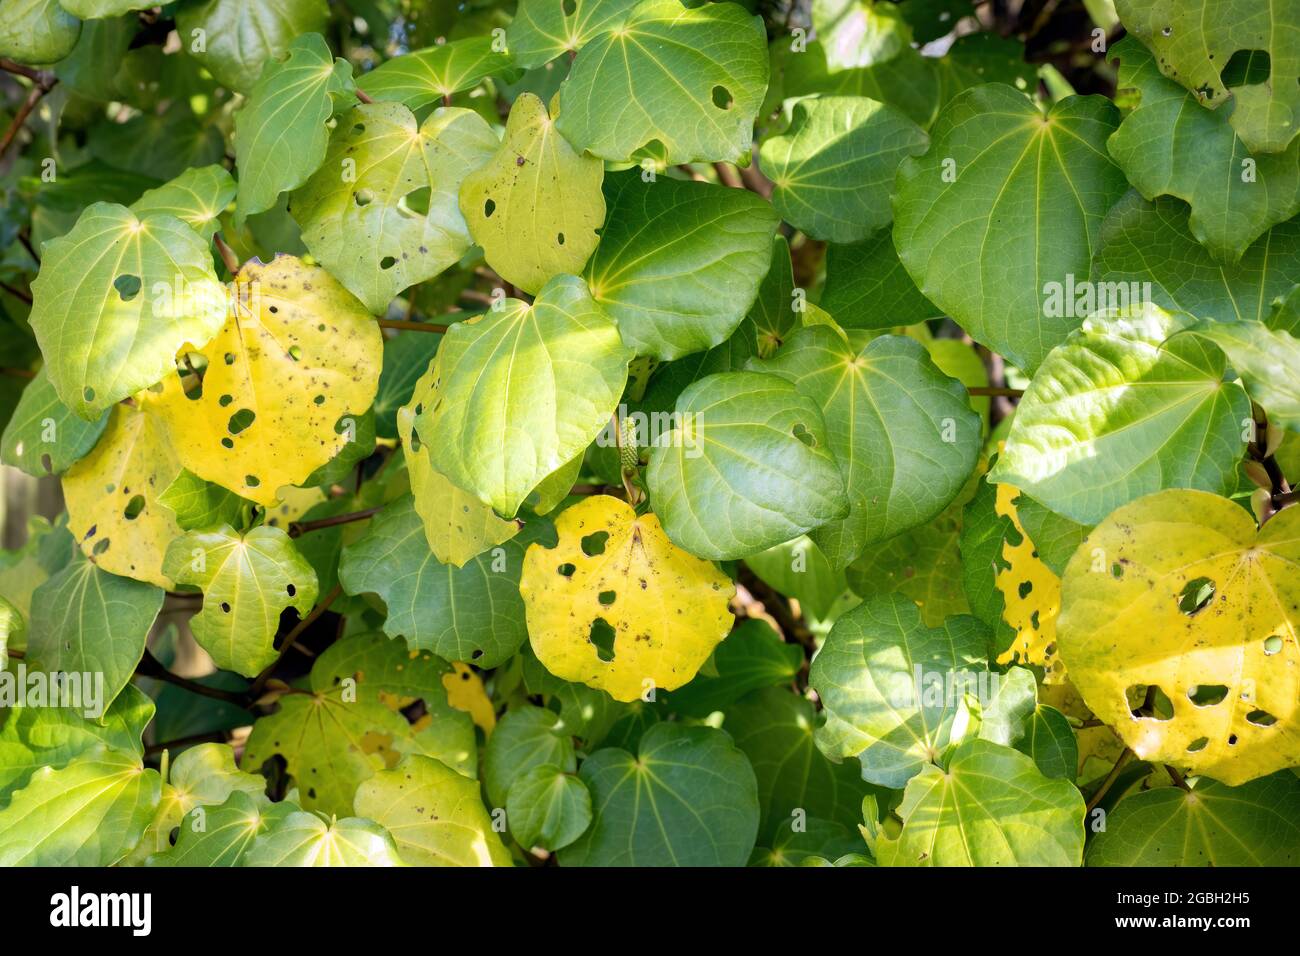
column 548, row 808
column 37, row 31
column 432, row 75
column 1268, row 361
column 197, row 197
column 227, row 832
column 304, row 839
column 544, row 29
column 241, row 36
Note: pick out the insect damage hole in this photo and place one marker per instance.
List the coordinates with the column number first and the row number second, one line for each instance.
column 722, row 98
column 127, row 286
column 134, row 507
column 1261, row 718
column 1207, row 695
column 1247, row 68
column 489, row 208
column 801, row 432
column 1149, row 702
column 240, row 420
column 594, row 544
column 602, row 636
column 387, row 262
column 1195, row 596
column 606, row 598
column 569, row 7
column 1272, row 645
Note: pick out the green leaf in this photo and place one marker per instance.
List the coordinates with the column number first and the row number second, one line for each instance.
column 44, row 437
column 543, row 29
column 304, row 839
column 1268, row 361
column 89, row 813
column 434, row 814
column 775, row 729
column 798, row 569
column 1114, row 414
column 1213, row 825
column 1197, row 42
column 746, row 467
column 1171, row 145
column 406, row 358
column 227, row 832
column 432, row 75
column 524, row 390
column 37, row 31
column 32, row 737
column 1007, row 200
column 893, row 688
column 679, row 263
column 527, row 737
column 548, row 808
column 991, row 807
column 86, row 621
column 1049, row 740
column 752, row 657
column 1144, row 242
column 689, row 798
column 536, row 206
column 856, row 33
column 101, row 9
column 12, row 628
column 240, row 38
column 816, row 843
column 681, row 84
column 380, row 213
column 196, row 196
column 280, row 133
column 834, row 166
column 201, row 505
column 247, row 581
column 116, row 298
column 868, row 288
column 1055, row 537
column 472, row 613
column 903, row 433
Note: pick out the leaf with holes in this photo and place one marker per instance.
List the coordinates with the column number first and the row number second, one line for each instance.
column 1174, row 601
column 381, row 212
column 1117, row 412
column 298, row 357
column 544, row 29
column 44, row 436
column 1215, row 48
column 679, row 263
column 834, row 166
column 115, row 298
column 681, row 84
column 536, row 206
column 1018, row 192
column 617, row 606
column 280, row 132
column 247, row 581
column 523, row 390
column 902, row 432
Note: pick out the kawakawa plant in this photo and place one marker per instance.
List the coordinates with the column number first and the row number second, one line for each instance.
column 620, row 432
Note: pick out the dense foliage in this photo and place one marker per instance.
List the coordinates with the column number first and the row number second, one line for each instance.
column 620, row 432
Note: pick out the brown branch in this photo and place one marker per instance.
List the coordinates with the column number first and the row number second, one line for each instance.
column 727, row 176
column 212, row 736
column 698, row 177
column 779, row 608
column 474, row 295
column 31, row 249
column 364, row 97
column 227, row 254
column 754, row 180
column 42, row 83
column 150, row 666
column 259, row 684
column 996, row 390
column 1286, row 498
column 17, row 372
column 411, row 326
column 16, row 292
column 297, row 528
column 1106, row 784
column 1179, row 780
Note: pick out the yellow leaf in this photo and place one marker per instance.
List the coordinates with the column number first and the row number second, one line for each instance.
column 617, row 606
column 112, row 494
column 465, row 692
column 457, row 525
column 297, row 356
column 1177, row 609
column 1032, row 598
column 535, row 207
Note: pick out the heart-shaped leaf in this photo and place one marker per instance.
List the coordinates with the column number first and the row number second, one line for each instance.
column 304, row 839
column 432, row 75
column 543, row 29
column 241, row 38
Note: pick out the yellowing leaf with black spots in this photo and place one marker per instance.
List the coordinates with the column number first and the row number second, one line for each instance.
column 522, row 391
column 435, row 815
column 247, row 581
column 297, row 355
column 115, row 298
column 1178, row 626
column 1031, row 596
column 465, row 692
column 536, row 205
column 457, row 526
column 381, row 212
column 615, row 605
column 113, row 494
column 304, row 839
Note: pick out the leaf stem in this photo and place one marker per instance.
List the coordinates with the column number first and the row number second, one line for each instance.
column 1179, row 780
column 17, row 293
column 259, row 683
column 150, row 666
column 996, row 390
column 364, row 97
column 297, row 528
column 211, row 736
column 17, row 372
column 227, row 254
column 1111, row 777
column 410, row 326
